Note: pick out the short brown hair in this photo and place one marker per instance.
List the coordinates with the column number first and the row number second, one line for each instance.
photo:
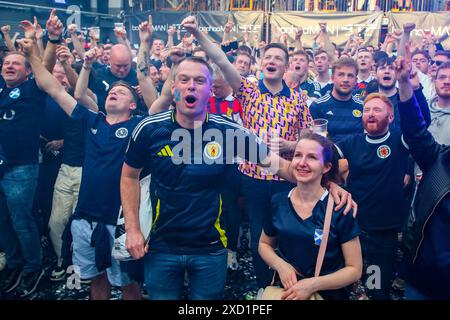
column 320, row 51
column 125, row 84
column 278, row 46
column 244, row 53
column 198, row 60
column 382, row 97
column 445, row 65
column 344, row 62
column 422, row 52
column 18, row 53
column 301, row 53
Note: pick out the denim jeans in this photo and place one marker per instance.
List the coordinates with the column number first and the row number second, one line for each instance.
column 19, row 235
column 165, row 274
column 257, row 196
column 379, row 249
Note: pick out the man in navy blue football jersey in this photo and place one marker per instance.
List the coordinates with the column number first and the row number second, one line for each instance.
column 299, row 66
column 342, row 110
column 377, row 163
column 106, row 139
column 21, row 110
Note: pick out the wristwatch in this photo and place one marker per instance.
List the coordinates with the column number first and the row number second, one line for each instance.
column 55, row 41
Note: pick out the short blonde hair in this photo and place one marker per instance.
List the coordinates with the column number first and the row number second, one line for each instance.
column 382, row 97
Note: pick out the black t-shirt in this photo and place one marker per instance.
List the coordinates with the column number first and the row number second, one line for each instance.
column 58, row 125
column 73, row 143
column 377, row 168
column 188, row 211
column 53, row 121
column 105, row 146
column 299, row 240
column 21, row 111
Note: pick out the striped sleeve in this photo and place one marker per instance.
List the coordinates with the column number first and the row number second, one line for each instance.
column 138, row 150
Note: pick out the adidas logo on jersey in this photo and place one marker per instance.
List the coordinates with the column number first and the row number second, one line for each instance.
column 165, row 152
column 330, row 113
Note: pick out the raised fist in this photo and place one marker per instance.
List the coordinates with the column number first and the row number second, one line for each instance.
column 190, row 24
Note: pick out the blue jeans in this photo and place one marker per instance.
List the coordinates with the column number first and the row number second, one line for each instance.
column 19, row 235
column 164, row 275
column 379, row 249
column 257, row 196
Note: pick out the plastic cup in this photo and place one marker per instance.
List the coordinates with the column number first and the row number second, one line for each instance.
column 320, row 126
column 96, row 32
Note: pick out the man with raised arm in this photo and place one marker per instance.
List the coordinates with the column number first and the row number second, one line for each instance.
column 22, row 106
column 106, row 139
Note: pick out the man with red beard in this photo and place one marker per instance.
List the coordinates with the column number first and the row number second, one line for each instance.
column 377, row 163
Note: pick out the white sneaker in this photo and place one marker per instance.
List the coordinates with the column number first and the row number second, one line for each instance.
column 2, row 261
column 232, row 261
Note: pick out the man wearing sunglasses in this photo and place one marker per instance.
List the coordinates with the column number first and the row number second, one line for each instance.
column 440, row 58
column 440, row 106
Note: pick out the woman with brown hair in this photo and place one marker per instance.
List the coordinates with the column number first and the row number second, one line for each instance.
column 291, row 236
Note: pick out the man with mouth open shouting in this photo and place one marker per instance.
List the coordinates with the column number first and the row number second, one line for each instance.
column 270, row 109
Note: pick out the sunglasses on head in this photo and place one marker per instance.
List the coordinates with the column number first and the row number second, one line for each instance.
column 438, row 63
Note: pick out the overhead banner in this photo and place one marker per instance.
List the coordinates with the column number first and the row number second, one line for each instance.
column 161, row 23
column 340, row 26
column 213, row 22
column 438, row 23
column 244, row 21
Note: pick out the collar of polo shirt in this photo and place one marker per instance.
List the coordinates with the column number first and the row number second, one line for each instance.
column 284, row 92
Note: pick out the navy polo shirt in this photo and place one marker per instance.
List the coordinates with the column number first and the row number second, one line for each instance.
column 344, row 117
column 285, row 91
column 105, row 146
column 21, row 111
column 299, row 240
column 188, row 181
column 377, row 167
